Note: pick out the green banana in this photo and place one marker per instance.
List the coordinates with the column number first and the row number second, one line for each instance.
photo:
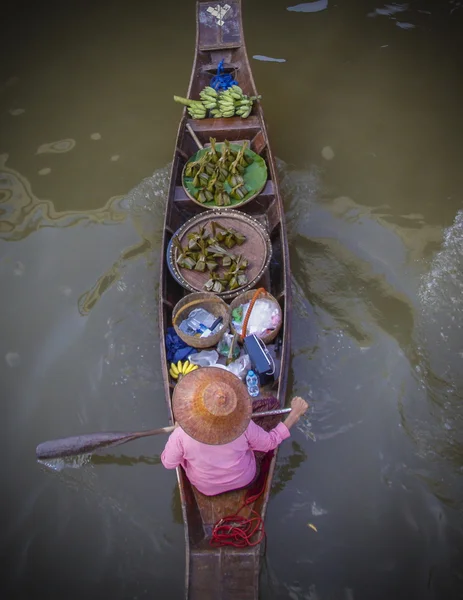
column 206, row 98
column 211, row 91
column 206, row 94
column 225, row 96
column 196, row 113
column 184, row 101
column 237, row 89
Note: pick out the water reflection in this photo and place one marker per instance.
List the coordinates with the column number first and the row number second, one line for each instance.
column 286, row 467
column 89, row 298
column 22, row 213
column 176, row 506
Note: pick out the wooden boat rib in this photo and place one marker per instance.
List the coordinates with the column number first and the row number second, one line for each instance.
column 224, row 572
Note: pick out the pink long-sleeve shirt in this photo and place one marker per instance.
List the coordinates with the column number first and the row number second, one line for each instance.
column 216, row 469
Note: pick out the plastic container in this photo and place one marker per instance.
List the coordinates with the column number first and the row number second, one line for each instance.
column 252, row 383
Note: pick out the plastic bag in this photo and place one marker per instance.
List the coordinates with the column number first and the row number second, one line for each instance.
column 205, row 358
column 223, row 347
column 240, row 366
column 265, row 317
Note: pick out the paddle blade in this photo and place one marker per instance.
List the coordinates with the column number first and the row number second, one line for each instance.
column 81, row 444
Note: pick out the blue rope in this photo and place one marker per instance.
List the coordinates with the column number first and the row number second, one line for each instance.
column 222, row 81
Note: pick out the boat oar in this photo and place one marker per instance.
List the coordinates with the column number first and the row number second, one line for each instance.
column 89, row 442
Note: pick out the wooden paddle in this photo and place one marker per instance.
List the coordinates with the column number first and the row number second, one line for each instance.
column 89, row 442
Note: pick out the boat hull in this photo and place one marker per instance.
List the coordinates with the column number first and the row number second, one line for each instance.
column 224, row 572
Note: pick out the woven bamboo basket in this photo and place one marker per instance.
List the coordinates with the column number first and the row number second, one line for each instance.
column 257, row 249
column 251, row 296
column 208, row 301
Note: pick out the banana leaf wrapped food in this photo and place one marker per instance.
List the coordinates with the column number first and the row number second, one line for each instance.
column 184, row 258
column 206, row 252
column 216, row 168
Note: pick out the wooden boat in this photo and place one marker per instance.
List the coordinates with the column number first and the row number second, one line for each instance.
column 214, row 573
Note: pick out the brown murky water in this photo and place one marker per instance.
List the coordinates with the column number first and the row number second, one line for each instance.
column 364, row 113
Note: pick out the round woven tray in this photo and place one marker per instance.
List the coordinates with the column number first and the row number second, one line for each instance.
column 208, row 301
column 255, row 177
column 257, row 249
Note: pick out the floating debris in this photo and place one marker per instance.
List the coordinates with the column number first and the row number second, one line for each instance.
column 312, row 526
column 15, row 112
column 57, row 147
column 309, row 7
column 45, row 171
column 115, row 157
column 264, row 58
column 405, row 25
column 328, row 153
column 96, row 136
column 389, row 10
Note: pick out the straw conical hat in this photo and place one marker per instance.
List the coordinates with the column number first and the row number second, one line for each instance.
column 212, row 405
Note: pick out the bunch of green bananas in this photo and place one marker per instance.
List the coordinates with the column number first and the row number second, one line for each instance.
column 235, row 100
column 209, row 98
column 227, row 102
column 244, row 107
column 224, row 104
column 196, row 108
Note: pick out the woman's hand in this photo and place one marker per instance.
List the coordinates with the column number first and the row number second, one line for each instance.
column 298, row 406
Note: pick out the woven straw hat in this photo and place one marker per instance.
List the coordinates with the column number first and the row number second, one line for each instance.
column 212, row 405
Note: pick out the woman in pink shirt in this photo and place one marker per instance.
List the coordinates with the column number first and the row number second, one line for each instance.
column 215, row 438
